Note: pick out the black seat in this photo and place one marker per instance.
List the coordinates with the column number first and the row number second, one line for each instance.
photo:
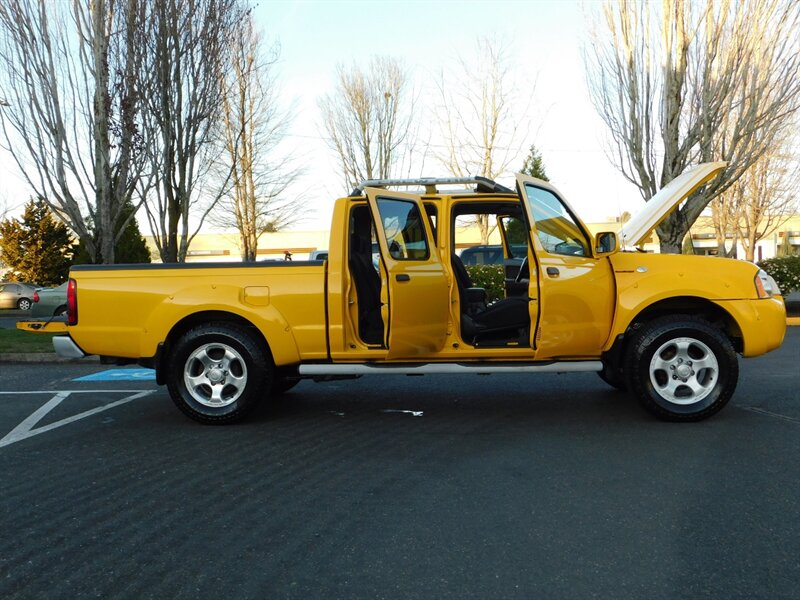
column 365, row 277
column 478, row 319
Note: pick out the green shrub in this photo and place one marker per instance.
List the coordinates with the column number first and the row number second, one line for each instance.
column 489, row 277
column 785, row 270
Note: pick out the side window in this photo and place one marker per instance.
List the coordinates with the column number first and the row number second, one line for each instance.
column 516, row 234
column 404, row 229
column 557, row 230
column 433, row 215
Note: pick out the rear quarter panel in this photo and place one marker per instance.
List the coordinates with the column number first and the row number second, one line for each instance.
column 128, row 311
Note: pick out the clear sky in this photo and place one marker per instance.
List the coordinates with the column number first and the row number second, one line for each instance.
column 544, row 40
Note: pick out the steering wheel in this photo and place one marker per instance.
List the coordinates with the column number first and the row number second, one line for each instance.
column 522, row 266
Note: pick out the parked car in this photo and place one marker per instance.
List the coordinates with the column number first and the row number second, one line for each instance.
column 489, row 254
column 50, row 302
column 16, row 295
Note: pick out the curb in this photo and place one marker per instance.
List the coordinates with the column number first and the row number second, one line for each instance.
column 43, row 357
column 793, row 321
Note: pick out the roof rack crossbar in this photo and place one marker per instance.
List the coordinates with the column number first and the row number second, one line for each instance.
column 484, row 184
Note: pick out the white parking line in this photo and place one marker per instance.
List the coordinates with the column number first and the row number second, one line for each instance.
column 25, row 429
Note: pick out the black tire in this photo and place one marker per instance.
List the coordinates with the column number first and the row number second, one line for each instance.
column 613, row 376
column 681, row 368
column 218, row 373
column 24, row 304
column 61, row 311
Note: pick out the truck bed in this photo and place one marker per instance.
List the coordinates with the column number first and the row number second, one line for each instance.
column 128, row 310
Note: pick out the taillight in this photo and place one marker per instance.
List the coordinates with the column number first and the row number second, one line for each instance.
column 72, row 302
column 35, row 296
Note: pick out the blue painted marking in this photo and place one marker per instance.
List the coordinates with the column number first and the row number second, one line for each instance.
column 121, row 375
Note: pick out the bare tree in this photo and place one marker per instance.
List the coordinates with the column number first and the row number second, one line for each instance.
column 69, row 118
column 725, row 219
column 482, row 120
column 766, row 197
column 187, row 55
column 368, row 118
column 693, row 81
column 254, row 125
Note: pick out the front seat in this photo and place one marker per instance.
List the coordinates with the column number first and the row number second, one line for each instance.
column 478, row 319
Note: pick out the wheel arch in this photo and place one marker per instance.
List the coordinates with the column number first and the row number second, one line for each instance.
column 200, row 318
column 696, row 306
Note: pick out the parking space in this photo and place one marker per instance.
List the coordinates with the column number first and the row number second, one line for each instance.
column 397, row 487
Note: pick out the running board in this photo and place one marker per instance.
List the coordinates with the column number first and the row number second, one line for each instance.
column 450, row 368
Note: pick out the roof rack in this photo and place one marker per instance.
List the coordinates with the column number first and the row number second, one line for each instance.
column 484, row 184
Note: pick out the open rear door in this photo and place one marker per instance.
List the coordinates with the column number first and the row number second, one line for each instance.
column 414, row 283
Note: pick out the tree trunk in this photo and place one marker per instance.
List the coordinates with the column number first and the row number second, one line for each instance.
column 671, row 233
column 104, row 227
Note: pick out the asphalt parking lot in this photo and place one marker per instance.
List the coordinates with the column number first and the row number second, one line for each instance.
column 548, row 486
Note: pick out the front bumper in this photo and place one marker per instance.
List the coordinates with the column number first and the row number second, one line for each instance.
column 762, row 323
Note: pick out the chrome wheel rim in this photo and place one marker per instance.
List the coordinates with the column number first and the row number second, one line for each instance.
column 215, row 375
column 684, row 371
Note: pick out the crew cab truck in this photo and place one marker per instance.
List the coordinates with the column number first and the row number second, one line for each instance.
column 224, row 337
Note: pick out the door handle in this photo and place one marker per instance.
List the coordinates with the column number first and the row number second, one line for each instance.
column 403, row 277
column 553, row 272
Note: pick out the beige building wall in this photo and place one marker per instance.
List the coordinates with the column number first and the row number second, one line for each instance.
column 223, row 247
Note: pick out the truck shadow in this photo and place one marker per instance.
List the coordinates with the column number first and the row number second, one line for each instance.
column 517, row 399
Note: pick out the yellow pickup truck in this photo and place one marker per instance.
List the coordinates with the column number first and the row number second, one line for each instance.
column 394, row 297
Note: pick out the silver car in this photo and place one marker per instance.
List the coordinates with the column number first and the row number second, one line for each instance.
column 50, row 302
column 16, row 295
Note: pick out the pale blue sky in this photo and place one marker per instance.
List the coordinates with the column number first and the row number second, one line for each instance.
column 544, row 42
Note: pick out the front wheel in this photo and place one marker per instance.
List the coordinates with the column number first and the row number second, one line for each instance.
column 681, row 368
column 218, row 373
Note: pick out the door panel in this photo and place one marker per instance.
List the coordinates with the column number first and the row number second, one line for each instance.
column 414, row 285
column 576, row 290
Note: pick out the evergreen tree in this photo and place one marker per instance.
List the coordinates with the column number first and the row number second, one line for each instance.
column 37, row 249
column 534, row 165
column 129, row 248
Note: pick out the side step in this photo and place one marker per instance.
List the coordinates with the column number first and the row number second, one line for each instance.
column 450, row 368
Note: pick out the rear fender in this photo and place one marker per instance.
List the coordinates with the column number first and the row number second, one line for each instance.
column 182, row 311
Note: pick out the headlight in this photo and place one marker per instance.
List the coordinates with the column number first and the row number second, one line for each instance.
column 765, row 285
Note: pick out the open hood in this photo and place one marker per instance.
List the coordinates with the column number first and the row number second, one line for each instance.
column 659, row 206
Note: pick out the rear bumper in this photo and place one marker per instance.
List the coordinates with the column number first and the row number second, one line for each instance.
column 66, row 348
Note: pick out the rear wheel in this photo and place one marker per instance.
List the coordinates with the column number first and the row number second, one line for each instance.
column 24, row 304
column 681, row 368
column 218, row 373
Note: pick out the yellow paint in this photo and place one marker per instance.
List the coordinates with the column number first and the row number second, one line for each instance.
column 310, row 312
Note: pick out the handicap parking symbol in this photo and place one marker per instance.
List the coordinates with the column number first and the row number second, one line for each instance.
column 121, row 375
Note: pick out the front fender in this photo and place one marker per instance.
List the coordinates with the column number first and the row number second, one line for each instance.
column 644, row 280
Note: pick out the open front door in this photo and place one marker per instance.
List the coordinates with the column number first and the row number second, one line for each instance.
column 576, row 288
column 415, row 292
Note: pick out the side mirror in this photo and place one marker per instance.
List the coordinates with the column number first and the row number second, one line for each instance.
column 605, row 243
